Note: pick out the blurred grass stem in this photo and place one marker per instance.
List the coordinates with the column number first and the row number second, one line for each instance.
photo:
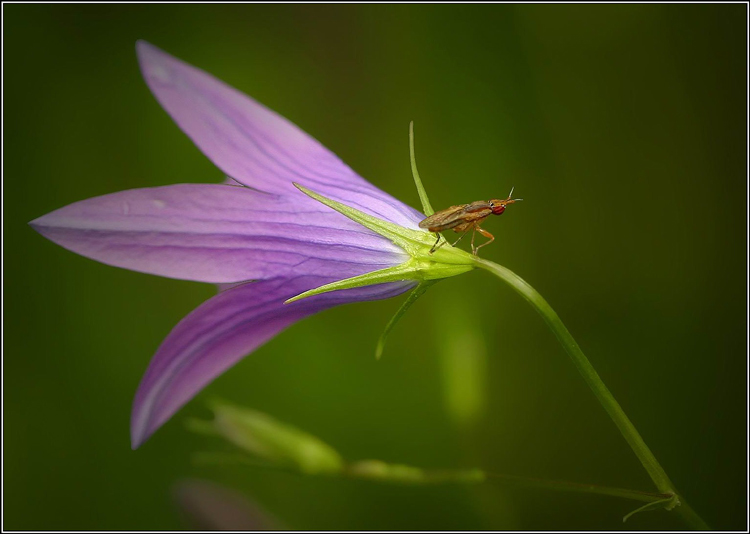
column 574, row 487
column 592, row 378
column 441, row 476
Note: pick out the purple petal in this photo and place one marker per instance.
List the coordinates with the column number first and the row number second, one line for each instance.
column 253, row 144
column 220, row 332
column 211, row 506
column 216, row 233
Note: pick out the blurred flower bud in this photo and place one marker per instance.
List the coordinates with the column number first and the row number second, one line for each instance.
column 274, row 441
column 209, row 506
column 406, row 474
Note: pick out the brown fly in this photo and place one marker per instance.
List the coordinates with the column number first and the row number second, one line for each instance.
column 466, row 217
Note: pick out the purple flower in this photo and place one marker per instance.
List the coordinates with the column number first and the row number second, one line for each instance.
column 256, row 227
column 206, row 505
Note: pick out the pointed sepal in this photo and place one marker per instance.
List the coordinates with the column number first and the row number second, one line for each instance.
column 411, row 299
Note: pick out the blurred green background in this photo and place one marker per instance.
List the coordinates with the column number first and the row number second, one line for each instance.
column 622, row 127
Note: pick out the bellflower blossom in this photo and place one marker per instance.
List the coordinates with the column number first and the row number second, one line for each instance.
column 277, row 254
column 256, row 227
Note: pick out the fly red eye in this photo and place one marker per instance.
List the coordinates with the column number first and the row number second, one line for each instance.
column 498, row 210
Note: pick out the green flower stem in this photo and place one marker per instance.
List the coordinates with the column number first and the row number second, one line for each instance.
column 592, row 378
column 560, row 485
column 401, row 474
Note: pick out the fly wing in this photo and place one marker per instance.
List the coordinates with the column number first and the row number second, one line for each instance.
column 444, row 219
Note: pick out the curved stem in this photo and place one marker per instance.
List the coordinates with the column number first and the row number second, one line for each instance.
column 600, row 390
column 432, row 476
column 560, row 485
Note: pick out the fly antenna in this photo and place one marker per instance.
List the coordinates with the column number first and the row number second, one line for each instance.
column 510, row 196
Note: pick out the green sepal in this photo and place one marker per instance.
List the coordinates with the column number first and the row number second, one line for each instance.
column 411, row 269
column 382, row 276
column 416, row 243
column 411, row 299
column 426, row 206
column 405, row 238
column 421, row 265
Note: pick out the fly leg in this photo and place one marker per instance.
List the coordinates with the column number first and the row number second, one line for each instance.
column 459, row 229
column 459, row 239
column 435, row 246
column 486, row 234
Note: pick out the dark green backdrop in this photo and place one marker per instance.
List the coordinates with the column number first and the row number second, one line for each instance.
column 623, row 127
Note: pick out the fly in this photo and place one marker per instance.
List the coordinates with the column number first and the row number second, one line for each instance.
column 466, row 217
